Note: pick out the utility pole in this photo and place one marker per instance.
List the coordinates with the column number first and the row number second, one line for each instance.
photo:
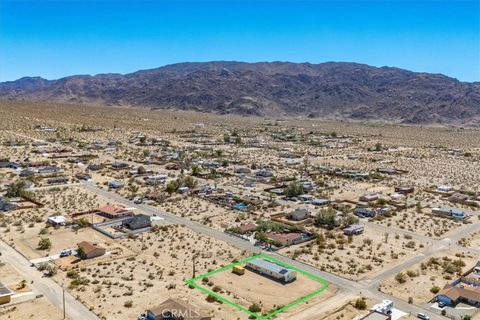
column 193, row 266
column 63, row 289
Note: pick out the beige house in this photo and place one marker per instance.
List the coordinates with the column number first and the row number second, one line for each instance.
column 5, row 294
column 91, row 250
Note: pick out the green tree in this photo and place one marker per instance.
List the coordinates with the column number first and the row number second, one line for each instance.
column 435, row 289
column 44, row 244
column 361, row 304
column 349, row 219
column 255, row 308
column 196, row 170
column 326, row 217
column 15, row 189
column 226, row 138
column 81, row 253
column 172, row 187
column 400, row 277
column 189, row 182
column 294, row 189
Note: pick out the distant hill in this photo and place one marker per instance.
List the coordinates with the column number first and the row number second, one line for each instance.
column 332, row 89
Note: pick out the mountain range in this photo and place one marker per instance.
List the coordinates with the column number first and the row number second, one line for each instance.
column 337, row 90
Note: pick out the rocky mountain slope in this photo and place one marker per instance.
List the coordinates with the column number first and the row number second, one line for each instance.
column 333, row 90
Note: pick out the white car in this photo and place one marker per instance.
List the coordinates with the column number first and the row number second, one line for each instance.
column 65, row 253
column 422, row 316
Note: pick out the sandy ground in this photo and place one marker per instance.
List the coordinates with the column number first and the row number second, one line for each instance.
column 24, row 305
column 158, row 271
column 355, row 257
column 423, row 276
column 254, row 288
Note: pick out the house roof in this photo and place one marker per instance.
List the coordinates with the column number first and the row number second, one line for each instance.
column 138, row 221
column 188, row 311
column 299, row 214
column 450, row 210
column 57, row 219
column 353, row 227
column 247, row 227
column 268, row 265
column 454, row 293
column 284, row 237
column 89, row 247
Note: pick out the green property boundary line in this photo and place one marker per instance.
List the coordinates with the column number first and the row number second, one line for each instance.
column 191, row 282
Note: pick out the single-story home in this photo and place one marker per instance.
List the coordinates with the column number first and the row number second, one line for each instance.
column 264, row 173
column 305, row 197
column 285, row 239
column 83, row 176
column 397, row 196
column 114, row 212
column 95, row 167
column 115, row 184
column 454, row 213
column 57, row 220
column 91, row 250
column 139, row 221
column 7, row 205
column 247, row 227
column 242, row 170
column 299, row 214
column 368, row 197
column 364, row 212
column 9, row 164
column 57, row 180
column 443, row 188
column 119, row 165
column 320, row 202
column 452, row 295
column 354, row 229
column 404, row 189
column 458, row 197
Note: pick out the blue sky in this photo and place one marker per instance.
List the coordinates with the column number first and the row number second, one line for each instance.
column 53, row 39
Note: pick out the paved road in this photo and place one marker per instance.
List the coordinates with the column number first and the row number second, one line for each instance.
column 46, row 286
column 45, row 259
column 365, row 288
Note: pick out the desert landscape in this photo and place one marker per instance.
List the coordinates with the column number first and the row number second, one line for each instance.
column 121, row 209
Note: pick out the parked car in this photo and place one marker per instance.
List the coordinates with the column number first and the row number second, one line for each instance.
column 423, row 316
column 65, row 253
column 441, row 304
